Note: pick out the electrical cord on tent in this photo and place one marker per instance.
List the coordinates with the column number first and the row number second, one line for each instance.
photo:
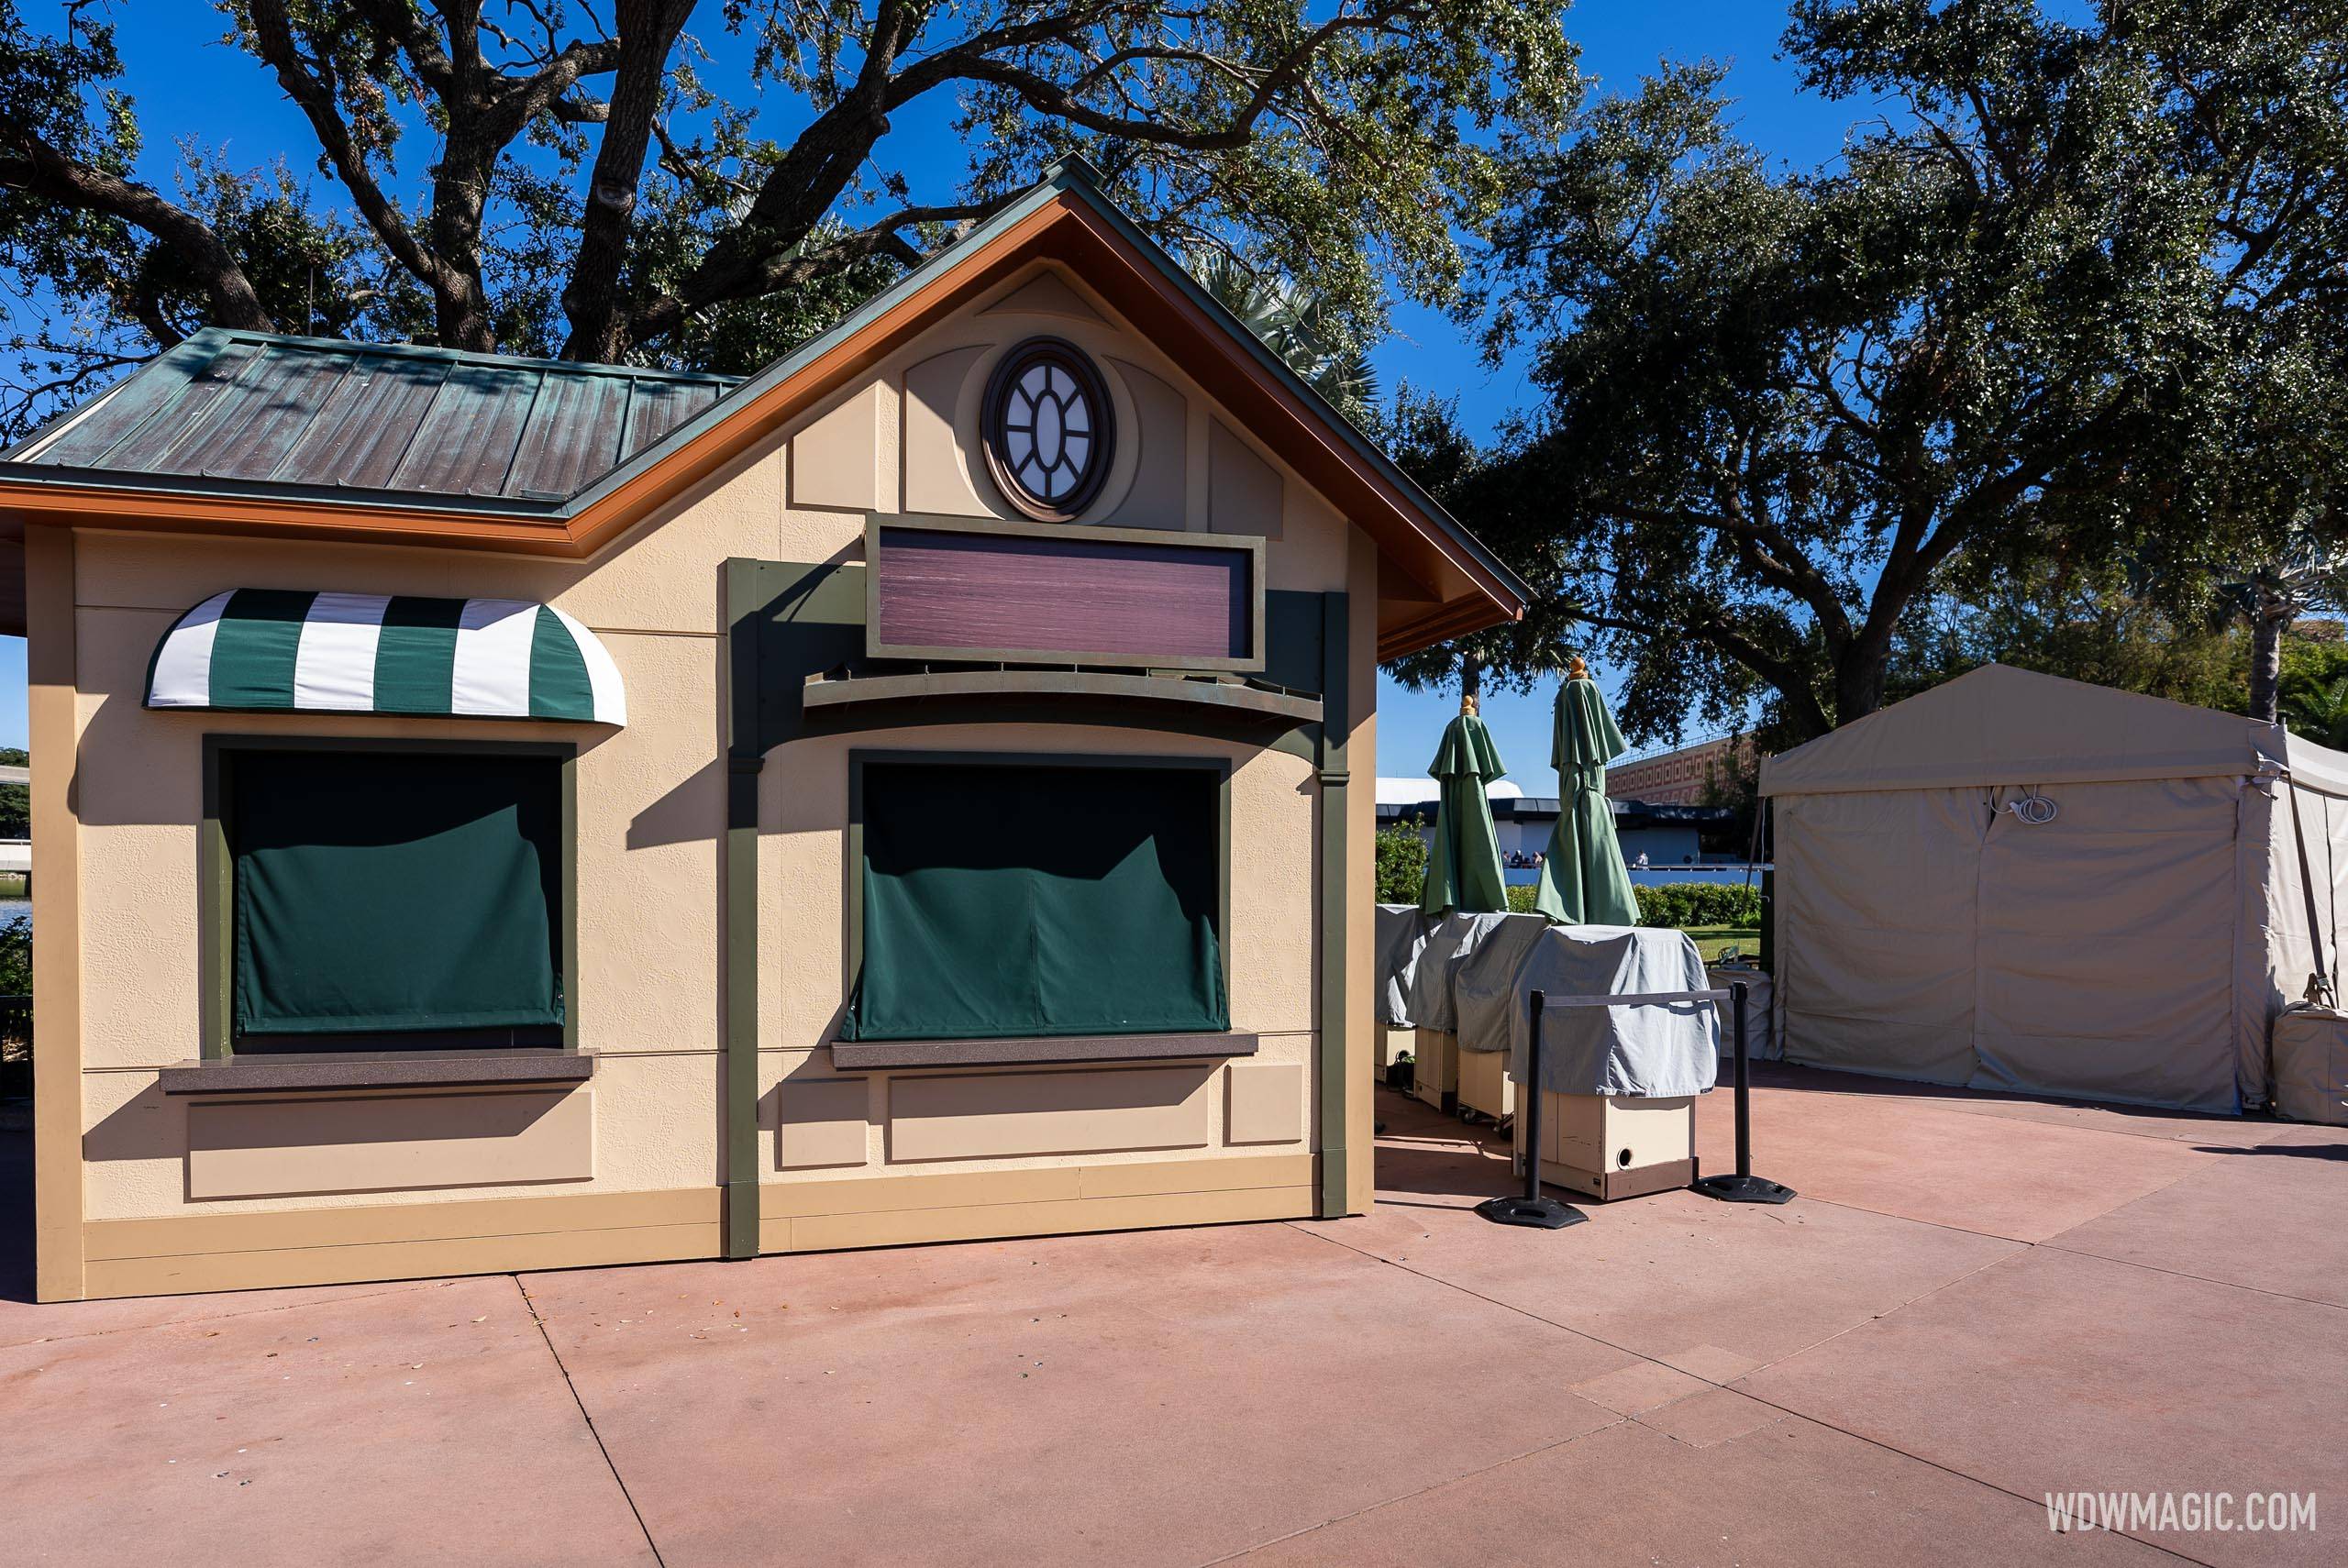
column 2031, row 807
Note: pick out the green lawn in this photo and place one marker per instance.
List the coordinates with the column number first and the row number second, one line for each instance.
column 1711, row 939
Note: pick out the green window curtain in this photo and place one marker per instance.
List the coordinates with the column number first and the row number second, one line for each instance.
column 1033, row 900
column 384, row 892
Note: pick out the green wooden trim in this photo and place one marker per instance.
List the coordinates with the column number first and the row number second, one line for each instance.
column 1206, row 722
column 216, row 872
column 281, row 1072
column 1239, row 702
column 1252, row 546
column 216, row 884
column 900, row 1055
column 745, row 755
column 1337, row 723
column 572, row 984
column 853, row 902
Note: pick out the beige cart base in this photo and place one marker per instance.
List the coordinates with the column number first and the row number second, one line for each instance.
column 1437, row 1051
column 1485, row 1087
column 1611, row 1146
column 1389, row 1043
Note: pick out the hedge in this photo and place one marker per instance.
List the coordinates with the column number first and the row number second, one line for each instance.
column 1679, row 904
column 1686, row 904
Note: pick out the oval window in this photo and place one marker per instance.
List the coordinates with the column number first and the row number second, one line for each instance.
column 1047, row 429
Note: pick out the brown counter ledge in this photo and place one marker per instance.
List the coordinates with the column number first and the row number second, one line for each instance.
column 866, row 1055
column 408, row 1069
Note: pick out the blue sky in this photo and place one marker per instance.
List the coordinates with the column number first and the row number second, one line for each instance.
column 188, row 84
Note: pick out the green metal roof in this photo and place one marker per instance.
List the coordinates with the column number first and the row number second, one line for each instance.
column 254, row 410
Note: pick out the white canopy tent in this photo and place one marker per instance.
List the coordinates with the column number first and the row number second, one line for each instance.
column 2015, row 881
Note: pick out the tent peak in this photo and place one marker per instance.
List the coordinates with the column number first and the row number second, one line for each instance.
column 2002, row 724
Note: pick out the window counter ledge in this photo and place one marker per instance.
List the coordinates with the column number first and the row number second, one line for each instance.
column 863, row 1055
column 409, row 1069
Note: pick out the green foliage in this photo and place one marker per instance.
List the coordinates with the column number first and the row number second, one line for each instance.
column 15, row 800
column 555, row 178
column 2321, row 714
column 2085, row 626
column 2056, row 302
column 1297, row 322
column 2314, row 665
column 1683, row 905
column 17, row 956
column 1401, row 863
column 1691, row 904
column 95, row 287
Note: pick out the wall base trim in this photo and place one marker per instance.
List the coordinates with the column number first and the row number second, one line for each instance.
column 183, row 1255
column 879, row 1212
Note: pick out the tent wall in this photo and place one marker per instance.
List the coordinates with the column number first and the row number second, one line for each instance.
column 1874, row 943
column 2106, row 958
column 1925, row 934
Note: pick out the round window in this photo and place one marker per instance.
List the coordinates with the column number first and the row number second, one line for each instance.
column 1048, row 429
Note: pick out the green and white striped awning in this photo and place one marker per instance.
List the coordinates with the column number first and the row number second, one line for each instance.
column 259, row 649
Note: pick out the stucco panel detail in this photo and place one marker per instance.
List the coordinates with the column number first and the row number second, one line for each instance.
column 1243, row 489
column 261, row 1148
column 1047, row 1114
column 835, row 460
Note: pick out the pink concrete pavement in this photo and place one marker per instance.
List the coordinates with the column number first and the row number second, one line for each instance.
column 1976, row 1300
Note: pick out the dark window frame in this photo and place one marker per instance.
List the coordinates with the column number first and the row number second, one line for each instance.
column 217, row 882
column 994, row 434
column 1065, row 1048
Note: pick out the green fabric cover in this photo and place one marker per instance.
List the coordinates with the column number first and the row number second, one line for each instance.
column 254, row 648
column 1033, row 900
column 415, row 655
column 560, row 687
column 384, row 892
column 1583, row 879
column 1463, row 866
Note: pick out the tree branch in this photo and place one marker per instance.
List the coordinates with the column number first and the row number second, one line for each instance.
column 30, row 164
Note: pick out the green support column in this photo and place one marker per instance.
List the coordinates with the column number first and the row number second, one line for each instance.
column 1337, row 723
column 744, row 755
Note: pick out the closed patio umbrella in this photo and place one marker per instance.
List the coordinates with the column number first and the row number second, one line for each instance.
column 1583, row 881
column 1464, row 868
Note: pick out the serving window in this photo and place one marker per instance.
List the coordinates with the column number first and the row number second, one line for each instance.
column 391, row 898
column 1002, row 898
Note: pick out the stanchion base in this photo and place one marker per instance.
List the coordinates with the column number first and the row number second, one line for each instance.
column 1742, row 1189
column 1543, row 1213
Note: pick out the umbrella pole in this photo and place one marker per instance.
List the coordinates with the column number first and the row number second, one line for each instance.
column 1531, row 1207
column 1743, row 1187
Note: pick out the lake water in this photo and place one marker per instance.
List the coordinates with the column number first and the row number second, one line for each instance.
column 11, row 908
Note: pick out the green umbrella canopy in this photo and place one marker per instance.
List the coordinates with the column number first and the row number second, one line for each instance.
column 1583, row 879
column 1464, row 869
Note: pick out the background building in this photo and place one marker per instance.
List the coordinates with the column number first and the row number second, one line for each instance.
column 1691, row 776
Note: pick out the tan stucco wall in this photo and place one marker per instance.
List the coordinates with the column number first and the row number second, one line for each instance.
column 649, row 850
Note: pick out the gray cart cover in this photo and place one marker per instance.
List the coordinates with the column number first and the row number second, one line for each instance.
column 1430, row 985
column 1398, row 931
column 1661, row 1050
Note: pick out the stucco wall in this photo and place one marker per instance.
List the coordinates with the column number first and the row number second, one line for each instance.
column 650, row 847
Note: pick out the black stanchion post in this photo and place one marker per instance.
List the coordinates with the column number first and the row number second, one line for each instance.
column 1532, row 1208
column 1743, row 1187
